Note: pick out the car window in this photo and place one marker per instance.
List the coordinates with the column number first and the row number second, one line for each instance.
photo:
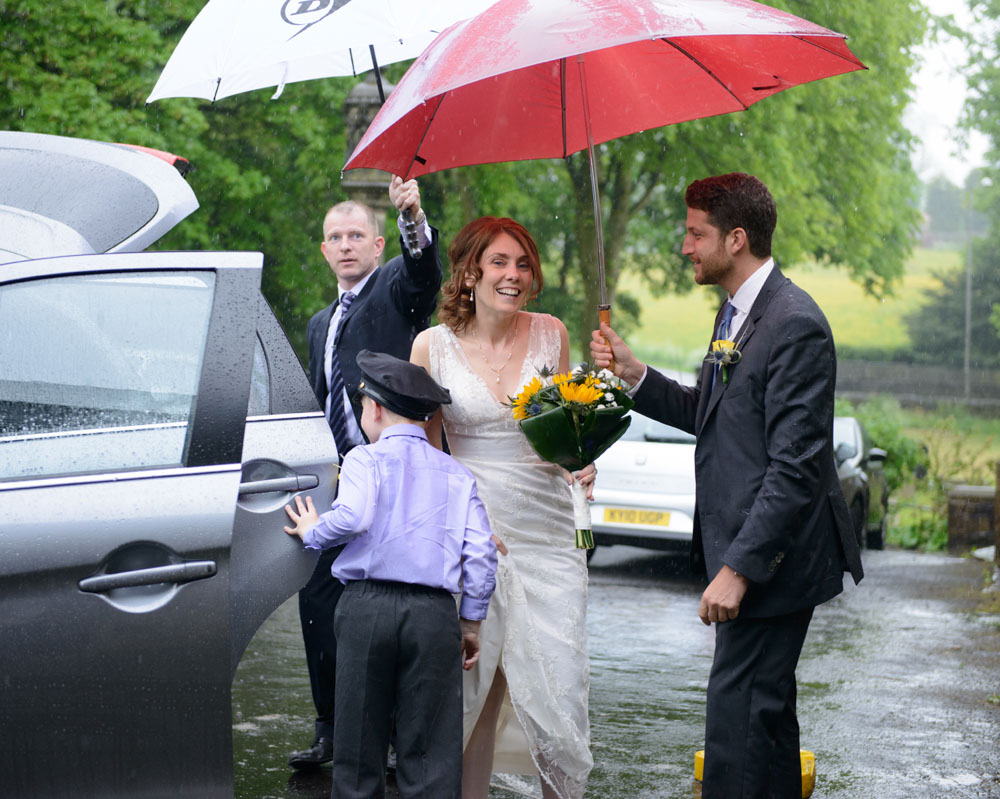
column 280, row 385
column 100, row 372
column 843, row 431
column 645, row 429
column 260, row 381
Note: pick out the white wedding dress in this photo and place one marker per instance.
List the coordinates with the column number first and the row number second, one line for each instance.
column 536, row 629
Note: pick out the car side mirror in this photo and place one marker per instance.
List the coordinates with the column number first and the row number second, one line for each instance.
column 844, row 451
column 876, row 455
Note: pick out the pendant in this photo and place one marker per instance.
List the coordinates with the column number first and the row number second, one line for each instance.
column 498, row 379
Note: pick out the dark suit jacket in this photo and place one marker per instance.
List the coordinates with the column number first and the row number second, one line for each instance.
column 395, row 304
column 768, row 501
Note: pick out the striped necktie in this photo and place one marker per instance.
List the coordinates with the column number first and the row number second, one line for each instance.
column 338, row 415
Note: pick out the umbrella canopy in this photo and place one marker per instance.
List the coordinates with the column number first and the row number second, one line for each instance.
column 236, row 46
column 506, row 84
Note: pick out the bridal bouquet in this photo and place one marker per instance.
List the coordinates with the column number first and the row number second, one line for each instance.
column 571, row 419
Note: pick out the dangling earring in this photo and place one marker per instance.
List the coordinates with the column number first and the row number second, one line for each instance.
column 472, row 297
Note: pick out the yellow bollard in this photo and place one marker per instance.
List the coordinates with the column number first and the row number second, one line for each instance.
column 808, row 760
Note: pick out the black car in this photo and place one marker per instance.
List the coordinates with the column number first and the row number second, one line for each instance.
column 860, row 467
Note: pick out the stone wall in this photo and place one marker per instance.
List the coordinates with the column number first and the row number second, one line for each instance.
column 918, row 384
column 971, row 517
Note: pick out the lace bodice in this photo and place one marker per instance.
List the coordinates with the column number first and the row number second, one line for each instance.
column 478, row 425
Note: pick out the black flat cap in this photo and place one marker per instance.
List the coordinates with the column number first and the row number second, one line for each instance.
column 400, row 386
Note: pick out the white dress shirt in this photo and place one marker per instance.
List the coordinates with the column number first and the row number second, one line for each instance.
column 746, row 296
column 742, row 301
column 354, row 434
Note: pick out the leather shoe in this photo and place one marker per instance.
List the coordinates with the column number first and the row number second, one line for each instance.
column 320, row 752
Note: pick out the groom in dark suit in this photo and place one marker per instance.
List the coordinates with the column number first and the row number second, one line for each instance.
column 377, row 308
column 771, row 526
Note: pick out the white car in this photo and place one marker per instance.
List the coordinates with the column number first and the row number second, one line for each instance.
column 644, row 495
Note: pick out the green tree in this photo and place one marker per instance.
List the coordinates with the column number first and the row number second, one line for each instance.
column 264, row 171
column 982, row 109
column 945, row 312
column 937, row 327
column 834, row 153
column 946, row 207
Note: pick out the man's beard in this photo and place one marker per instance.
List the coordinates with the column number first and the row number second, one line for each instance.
column 715, row 267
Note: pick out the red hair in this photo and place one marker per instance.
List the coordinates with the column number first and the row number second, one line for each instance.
column 457, row 308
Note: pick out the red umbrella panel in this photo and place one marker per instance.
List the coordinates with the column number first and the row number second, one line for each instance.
column 532, row 79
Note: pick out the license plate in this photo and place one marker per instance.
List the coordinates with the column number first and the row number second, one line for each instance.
column 661, row 518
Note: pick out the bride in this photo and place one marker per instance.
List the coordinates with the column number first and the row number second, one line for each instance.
column 525, row 701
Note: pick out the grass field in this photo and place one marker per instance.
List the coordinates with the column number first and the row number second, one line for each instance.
column 674, row 331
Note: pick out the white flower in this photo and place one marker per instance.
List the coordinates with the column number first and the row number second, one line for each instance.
column 609, row 397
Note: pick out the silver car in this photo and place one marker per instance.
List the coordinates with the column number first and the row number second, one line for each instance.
column 154, row 421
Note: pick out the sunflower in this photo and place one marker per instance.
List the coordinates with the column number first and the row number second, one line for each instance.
column 584, row 393
column 526, row 403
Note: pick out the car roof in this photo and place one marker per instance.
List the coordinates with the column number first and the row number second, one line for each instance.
column 67, row 196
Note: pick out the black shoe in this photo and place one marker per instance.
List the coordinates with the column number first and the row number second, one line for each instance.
column 320, row 752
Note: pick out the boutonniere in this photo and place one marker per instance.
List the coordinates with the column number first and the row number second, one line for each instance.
column 725, row 353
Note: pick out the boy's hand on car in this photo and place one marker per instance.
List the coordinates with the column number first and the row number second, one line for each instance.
column 303, row 516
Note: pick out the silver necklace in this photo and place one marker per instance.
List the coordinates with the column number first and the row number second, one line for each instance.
column 510, row 349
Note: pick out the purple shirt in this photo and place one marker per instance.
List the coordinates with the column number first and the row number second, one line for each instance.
column 410, row 513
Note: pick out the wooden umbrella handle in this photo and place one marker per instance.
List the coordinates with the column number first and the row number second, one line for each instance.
column 604, row 316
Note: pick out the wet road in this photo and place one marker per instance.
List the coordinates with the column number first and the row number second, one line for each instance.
column 898, row 686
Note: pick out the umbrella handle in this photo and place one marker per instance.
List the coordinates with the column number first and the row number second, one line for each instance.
column 604, row 316
column 410, row 234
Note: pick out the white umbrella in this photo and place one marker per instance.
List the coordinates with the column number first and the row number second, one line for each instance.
column 235, row 46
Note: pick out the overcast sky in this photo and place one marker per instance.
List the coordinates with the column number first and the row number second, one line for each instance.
column 933, row 115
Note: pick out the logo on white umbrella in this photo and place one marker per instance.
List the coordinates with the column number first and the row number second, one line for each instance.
column 306, row 13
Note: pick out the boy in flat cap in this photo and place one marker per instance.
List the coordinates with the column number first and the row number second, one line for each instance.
column 416, row 533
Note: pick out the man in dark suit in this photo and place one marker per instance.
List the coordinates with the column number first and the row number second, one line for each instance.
column 771, row 526
column 377, row 308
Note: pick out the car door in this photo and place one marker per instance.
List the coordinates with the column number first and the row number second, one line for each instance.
column 125, row 384
column 288, row 449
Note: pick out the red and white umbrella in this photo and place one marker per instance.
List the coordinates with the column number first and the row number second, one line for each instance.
column 529, row 79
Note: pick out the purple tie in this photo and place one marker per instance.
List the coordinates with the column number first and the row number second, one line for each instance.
column 338, row 417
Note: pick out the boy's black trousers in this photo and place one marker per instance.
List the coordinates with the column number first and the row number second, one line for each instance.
column 398, row 651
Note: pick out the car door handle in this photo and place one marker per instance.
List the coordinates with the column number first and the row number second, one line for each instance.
column 177, row 573
column 297, row 482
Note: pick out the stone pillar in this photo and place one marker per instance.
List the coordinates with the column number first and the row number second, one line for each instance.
column 369, row 186
column 970, row 517
column 996, row 519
